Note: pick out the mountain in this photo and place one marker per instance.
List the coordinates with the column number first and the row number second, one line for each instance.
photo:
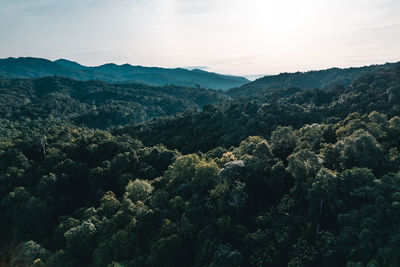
column 309, row 178
column 226, row 125
column 323, row 79
column 95, row 103
column 37, row 67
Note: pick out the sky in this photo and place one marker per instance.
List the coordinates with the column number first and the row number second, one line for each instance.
column 225, row 36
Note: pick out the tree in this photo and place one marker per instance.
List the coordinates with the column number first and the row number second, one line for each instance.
column 322, row 197
column 109, row 204
column 29, row 253
column 303, row 164
column 360, row 149
column 167, row 251
column 138, row 190
column 226, row 256
column 80, row 241
column 283, row 141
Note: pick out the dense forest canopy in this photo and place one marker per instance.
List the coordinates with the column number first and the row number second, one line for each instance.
column 301, row 177
column 267, row 86
column 94, row 103
column 227, row 125
column 112, row 73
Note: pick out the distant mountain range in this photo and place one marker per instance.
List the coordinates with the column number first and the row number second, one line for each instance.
column 235, row 86
column 28, row 67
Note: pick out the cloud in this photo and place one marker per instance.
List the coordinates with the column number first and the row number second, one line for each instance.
column 229, row 36
column 203, row 7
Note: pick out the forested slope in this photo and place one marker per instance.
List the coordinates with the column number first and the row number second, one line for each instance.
column 308, row 178
column 227, row 125
column 264, row 87
column 94, row 103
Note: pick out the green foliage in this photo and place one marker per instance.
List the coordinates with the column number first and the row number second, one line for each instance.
column 307, row 182
column 360, row 149
column 29, row 254
column 273, row 85
column 138, row 190
column 228, row 124
column 283, row 141
column 254, row 145
column 109, row 204
column 168, row 251
column 92, row 104
column 303, row 164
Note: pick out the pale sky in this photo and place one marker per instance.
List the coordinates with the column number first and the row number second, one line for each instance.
column 227, row 36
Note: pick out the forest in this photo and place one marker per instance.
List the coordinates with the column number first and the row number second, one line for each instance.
column 323, row 79
column 98, row 174
column 94, row 104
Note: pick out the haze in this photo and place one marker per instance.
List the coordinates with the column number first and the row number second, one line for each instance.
column 226, row 36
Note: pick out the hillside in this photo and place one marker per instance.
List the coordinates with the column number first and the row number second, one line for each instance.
column 227, row 125
column 310, row 177
column 322, row 79
column 112, row 73
column 94, row 103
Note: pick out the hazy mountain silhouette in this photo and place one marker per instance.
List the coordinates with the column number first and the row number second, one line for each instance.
column 28, row 67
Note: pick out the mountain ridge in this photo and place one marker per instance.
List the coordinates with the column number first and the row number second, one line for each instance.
column 30, row 67
column 96, row 103
column 323, row 79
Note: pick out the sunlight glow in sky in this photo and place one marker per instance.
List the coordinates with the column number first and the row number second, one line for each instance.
column 227, row 36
